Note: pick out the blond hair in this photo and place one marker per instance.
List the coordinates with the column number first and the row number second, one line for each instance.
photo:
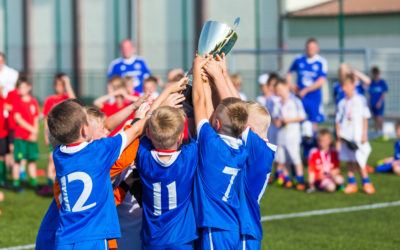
column 166, row 126
column 232, row 114
column 236, row 80
column 259, row 118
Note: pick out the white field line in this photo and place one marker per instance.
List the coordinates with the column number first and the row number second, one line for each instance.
column 287, row 216
column 31, row 246
column 330, row 211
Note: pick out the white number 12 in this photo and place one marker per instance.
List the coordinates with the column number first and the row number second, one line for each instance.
column 233, row 172
column 87, row 190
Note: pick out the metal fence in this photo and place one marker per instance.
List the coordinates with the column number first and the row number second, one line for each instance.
column 250, row 63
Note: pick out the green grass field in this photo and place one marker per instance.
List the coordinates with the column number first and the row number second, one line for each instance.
column 369, row 229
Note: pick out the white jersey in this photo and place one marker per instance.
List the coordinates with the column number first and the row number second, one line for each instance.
column 289, row 109
column 8, row 79
column 350, row 116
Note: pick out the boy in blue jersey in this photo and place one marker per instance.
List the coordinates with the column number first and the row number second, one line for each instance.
column 392, row 164
column 377, row 91
column 87, row 215
column 167, row 170
column 222, row 157
column 256, row 174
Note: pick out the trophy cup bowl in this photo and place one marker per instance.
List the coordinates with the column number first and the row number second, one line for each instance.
column 216, row 38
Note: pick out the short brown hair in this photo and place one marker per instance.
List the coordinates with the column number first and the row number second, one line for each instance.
column 259, row 118
column 280, row 81
column 65, row 121
column 151, row 79
column 232, row 113
column 117, row 82
column 23, row 78
column 94, row 112
column 323, row 132
column 349, row 77
column 165, row 126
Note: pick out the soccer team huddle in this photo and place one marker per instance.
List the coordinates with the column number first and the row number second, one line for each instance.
column 187, row 168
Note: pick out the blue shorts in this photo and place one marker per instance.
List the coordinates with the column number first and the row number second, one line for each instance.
column 45, row 239
column 85, row 245
column 378, row 111
column 187, row 246
column 314, row 111
column 215, row 239
column 249, row 243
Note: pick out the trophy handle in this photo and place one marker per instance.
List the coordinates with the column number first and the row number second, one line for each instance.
column 236, row 23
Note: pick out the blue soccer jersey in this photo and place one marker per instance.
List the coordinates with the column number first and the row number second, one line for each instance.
column 45, row 238
column 87, row 210
column 217, row 183
column 339, row 94
column 135, row 67
column 308, row 71
column 255, row 181
column 376, row 90
column 397, row 150
column 168, row 219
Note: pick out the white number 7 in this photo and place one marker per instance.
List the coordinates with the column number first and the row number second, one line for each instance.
column 87, row 190
column 233, row 172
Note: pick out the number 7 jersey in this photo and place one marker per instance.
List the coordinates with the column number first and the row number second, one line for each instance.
column 217, row 183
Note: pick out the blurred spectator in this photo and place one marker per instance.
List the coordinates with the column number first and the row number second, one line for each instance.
column 175, row 75
column 8, row 76
column 237, row 83
column 287, row 116
column 361, row 81
column 150, row 86
column 377, row 92
column 311, row 70
column 129, row 64
column 116, row 99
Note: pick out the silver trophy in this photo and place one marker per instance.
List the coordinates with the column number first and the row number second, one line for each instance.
column 217, row 38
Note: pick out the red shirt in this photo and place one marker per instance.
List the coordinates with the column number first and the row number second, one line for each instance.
column 11, row 98
column 29, row 111
column 52, row 101
column 3, row 127
column 322, row 163
column 111, row 108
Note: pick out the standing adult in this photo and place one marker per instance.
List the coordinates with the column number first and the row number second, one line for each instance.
column 8, row 76
column 311, row 70
column 129, row 64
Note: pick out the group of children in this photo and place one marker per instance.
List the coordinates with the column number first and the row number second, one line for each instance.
column 199, row 193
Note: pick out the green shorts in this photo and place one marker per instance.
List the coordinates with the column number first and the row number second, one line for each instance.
column 25, row 150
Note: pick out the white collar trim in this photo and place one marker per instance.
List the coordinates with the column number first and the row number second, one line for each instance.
column 72, row 150
column 129, row 60
column 231, row 141
column 156, row 156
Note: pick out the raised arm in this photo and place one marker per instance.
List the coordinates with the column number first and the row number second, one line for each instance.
column 229, row 84
column 363, row 77
column 214, row 72
column 68, row 87
column 199, row 101
column 172, row 88
column 113, row 121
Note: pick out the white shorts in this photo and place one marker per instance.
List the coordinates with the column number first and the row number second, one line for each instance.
column 346, row 154
column 289, row 154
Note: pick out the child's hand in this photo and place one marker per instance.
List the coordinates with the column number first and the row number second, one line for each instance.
column 33, row 137
column 140, row 101
column 174, row 100
column 142, row 110
column 178, row 86
column 199, row 62
column 213, row 70
column 222, row 63
column 66, row 80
